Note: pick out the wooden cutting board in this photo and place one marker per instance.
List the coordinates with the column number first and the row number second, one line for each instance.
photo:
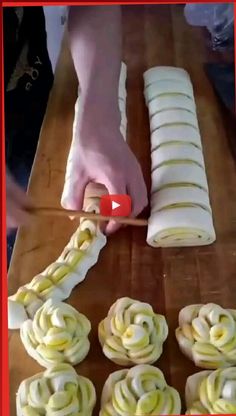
column 168, row 279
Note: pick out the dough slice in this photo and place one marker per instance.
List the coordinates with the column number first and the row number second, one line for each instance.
column 175, row 133
column 159, row 73
column 180, row 227
column 168, row 87
column 172, row 117
column 178, row 175
column 171, row 102
column 176, row 154
column 179, row 197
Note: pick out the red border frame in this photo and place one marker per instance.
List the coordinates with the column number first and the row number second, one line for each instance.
column 100, row 3
column 4, row 384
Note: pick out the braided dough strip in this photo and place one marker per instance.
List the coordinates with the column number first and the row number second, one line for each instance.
column 80, row 254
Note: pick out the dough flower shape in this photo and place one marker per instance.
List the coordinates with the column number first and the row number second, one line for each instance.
column 59, row 391
column 207, row 335
column 57, row 333
column 211, row 392
column 132, row 333
column 142, row 390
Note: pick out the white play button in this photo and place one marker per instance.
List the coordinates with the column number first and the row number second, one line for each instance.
column 114, row 205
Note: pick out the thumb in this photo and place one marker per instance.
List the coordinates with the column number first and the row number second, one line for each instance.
column 73, row 192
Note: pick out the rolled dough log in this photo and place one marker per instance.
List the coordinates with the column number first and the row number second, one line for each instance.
column 181, row 214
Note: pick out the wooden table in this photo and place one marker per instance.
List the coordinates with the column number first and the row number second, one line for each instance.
column 168, row 279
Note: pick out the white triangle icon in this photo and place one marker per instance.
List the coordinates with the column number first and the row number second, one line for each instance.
column 114, row 205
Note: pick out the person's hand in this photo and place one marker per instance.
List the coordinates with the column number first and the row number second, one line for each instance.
column 16, row 204
column 102, row 156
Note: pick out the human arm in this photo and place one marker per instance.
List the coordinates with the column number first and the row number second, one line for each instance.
column 99, row 152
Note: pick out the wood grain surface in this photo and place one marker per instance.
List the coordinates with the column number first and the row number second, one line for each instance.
column 170, row 278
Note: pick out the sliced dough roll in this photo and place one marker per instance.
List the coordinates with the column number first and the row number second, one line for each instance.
column 176, row 154
column 168, row 87
column 180, row 196
column 180, row 227
column 171, row 117
column 181, row 133
column 178, row 175
column 171, row 102
column 159, row 73
column 180, row 207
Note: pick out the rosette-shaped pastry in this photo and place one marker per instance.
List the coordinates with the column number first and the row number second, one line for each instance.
column 211, row 392
column 57, row 333
column 207, row 335
column 132, row 333
column 59, row 391
column 142, row 390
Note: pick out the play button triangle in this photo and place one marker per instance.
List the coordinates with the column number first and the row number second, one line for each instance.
column 115, row 205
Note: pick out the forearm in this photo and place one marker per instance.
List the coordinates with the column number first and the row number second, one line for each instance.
column 95, row 41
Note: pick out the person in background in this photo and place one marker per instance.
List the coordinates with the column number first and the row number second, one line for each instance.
column 101, row 154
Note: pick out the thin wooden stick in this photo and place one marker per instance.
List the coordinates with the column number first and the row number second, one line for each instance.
column 59, row 212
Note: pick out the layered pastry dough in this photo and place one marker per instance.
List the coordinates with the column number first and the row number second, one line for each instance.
column 59, row 391
column 142, row 390
column 211, row 392
column 207, row 335
column 57, row 333
column 57, row 280
column 132, row 333
column 79, row 255
column 181, row 214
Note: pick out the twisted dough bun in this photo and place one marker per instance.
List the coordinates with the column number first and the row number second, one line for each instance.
column 58, row 333
column 207, row 335
column 132, row 333
column 59, row 391
column 142, row 390
column 211, row 392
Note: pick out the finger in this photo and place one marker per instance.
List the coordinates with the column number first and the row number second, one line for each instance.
column 138, row 194
column 73, row 193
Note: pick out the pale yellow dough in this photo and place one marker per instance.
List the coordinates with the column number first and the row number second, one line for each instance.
column 132, row 333
column 140, row 391
column 57, row 333
column 207, row 335
column 59, row 391
column 211, row 392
